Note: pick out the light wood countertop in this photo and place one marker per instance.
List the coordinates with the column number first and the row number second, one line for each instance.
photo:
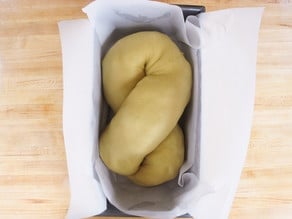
column 33, row 172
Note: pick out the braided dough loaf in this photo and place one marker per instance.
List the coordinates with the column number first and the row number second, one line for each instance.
column 147, row 83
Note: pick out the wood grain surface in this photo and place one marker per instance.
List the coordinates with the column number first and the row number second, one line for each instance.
column 33, row 173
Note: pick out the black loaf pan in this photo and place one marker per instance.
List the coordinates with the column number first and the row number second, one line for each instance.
column 187, row 10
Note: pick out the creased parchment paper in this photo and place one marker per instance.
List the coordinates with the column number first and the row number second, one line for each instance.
column 222, row 48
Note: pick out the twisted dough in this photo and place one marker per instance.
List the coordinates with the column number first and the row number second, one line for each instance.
column 147, row 83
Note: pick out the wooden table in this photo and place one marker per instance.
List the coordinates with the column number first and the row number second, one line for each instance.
column 33, row 173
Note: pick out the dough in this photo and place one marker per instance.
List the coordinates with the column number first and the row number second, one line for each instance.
column 147, row 83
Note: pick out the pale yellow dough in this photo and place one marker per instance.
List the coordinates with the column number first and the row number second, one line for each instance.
column 147, row 83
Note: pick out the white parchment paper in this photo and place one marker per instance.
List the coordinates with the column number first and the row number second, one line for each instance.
column 222, row 48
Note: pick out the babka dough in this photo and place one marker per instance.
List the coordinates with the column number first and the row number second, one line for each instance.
column 147, row 83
